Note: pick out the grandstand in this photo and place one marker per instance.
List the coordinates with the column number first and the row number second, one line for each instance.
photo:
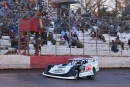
column 91, row 45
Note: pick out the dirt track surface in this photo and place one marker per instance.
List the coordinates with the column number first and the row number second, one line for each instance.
column 34, row 78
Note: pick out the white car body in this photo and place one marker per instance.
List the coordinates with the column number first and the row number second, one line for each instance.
column 84, row 66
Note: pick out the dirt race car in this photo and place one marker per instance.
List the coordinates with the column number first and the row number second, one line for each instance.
column 75, row 68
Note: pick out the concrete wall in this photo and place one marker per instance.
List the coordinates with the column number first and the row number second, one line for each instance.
column 114, row 62
column 104, row 62
column 14, row 62
column 30, row 62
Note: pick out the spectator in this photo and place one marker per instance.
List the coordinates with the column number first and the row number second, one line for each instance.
column 62, row 33
column 113, row 31
column 122, row 46
column 93, row 33
column 98, row 23
column 51, row 38
column 4, row 5
column 118, row 37
column 74, row 30
column 2, row 12
column 111, row 43
column 66, row 37
column 34, row 43
column 75, row 36
column 117, row 40
column 11, row 34
column 114, row 48
column 101, row 37
column 44, row 38
column 118, row 28
column 129, row 43
column 62, row 40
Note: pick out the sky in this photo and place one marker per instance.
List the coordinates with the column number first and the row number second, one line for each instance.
column 110, row 3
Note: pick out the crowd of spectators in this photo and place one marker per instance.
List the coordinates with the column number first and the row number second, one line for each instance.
column 10, row 12
column 64, row 23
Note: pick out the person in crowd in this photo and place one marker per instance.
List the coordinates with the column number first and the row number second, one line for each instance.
column 2, row 12
column 118, row 37
column 56, row 25
column 118, row 28
column 129, row 43
column 111, row 43
column 44, row 38
column 74, row 38
column 66, row 37
column 11, row 34
column 62, row 40
column 34, row 42
column 101, row 37
column 117, row 40
column 72, row 15
column 122, row 45
column 98, row 22
column 64, row 13
column 51, row 38
column 14, row 43
column 113, row 31
column 114, row 48
column 74, row 30
column 4, row 4
column 18, row 6
column 93, row 33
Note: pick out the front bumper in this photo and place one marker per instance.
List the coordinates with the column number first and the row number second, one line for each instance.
column 71, row 77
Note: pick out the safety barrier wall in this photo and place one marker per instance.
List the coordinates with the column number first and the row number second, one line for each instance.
column 43, row 61
column 114, row 62
column 104, row 62
column 14, row 62
column 31, row 62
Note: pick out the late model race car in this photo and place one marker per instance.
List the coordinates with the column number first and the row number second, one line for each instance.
column 75, row 68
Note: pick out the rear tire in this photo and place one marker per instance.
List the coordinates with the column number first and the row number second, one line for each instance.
column 92, row 76
column 76, row 74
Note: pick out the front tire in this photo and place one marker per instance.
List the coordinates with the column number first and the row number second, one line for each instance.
column 48, row 68
column 92, row 76
column 76, row 74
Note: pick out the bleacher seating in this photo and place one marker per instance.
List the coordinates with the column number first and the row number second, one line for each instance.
column 2, row 52
column 5, row 42
column 91, row 45
column 6, row 37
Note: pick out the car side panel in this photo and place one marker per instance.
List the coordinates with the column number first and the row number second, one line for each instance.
column 70, row 73
column 84, row 71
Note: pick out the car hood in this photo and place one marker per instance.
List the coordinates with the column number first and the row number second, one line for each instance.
column 59, row 69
